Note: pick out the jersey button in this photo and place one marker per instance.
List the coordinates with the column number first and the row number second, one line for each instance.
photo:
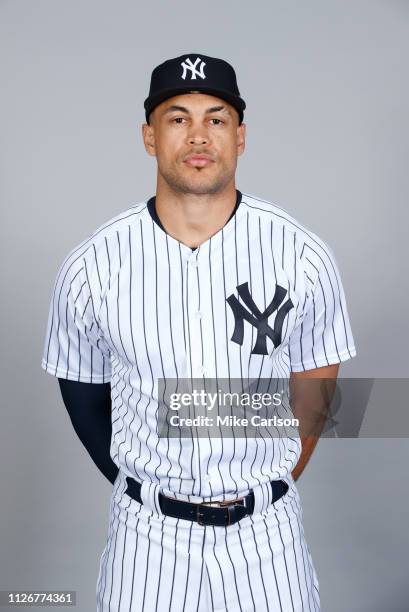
column 203, row 370
column 199, row 314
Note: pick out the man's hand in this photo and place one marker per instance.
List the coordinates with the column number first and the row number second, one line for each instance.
column 310, row 401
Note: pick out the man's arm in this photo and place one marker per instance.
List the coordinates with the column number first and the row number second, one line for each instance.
column 310, row 403
column 89, row 408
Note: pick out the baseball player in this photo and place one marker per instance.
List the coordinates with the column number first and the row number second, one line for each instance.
column 199, row 281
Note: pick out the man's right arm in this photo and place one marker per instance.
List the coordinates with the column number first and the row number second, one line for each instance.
column 89, row 408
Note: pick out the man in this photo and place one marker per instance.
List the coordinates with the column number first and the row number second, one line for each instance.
column 198, row 282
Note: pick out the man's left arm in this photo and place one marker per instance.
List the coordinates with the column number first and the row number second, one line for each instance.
column 311, row 392
column 321, row 341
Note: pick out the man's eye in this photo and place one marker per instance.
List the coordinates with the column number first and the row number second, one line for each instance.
column 178, row 119
column 216, row 121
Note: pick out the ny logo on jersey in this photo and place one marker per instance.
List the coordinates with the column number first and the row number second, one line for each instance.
column 188, row 65
column 259, row 319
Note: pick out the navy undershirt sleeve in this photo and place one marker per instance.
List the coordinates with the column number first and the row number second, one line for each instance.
column 89, row 408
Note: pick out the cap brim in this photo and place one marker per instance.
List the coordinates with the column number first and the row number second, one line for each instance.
column 235, row 101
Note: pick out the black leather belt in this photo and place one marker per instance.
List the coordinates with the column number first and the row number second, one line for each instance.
column 218, row 513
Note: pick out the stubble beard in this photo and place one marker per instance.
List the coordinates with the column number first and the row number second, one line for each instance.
column 202, row 185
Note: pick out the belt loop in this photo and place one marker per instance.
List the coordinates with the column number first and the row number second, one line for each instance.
column 150, row 496
column 263, row 496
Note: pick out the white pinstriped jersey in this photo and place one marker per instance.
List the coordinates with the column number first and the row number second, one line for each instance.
column 132, row 305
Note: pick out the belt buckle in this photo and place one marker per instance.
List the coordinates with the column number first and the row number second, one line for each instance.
column 228, row 504
column 199, row 514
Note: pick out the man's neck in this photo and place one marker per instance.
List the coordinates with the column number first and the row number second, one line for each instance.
column 192, row 219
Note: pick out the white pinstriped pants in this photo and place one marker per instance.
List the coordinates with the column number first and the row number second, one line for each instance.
column 152, row 562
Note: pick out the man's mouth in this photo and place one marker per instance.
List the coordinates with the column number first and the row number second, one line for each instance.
column 198, row 161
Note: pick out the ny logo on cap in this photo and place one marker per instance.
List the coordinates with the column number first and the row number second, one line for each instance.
column 188, row 65
column 259, row 319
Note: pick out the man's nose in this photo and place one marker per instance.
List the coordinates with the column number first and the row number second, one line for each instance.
column 198, row 135
column 198, row 139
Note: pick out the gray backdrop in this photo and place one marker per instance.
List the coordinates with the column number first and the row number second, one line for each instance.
column 327, row 93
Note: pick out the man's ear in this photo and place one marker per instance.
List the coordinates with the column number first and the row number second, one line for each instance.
column 241, row 138
column 148, row 136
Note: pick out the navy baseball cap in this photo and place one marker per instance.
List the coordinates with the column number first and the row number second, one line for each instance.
column 194, row 72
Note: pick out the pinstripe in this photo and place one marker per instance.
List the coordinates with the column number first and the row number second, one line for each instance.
column 323, row 295
column 263, row 356
column 133, row 570
column 240, row 352
column 200, row 585
column 108, row 328
column 112, row 566
column 122, row 564
column 303, row 557
column 295, row 558
column 191, row 366
column 251, row 290
column 141, row 568
column 127, row 373
column 225, row 308
column 288, row 282
column 146, row 346
column 104, row 557
column 228, row 357
column 158, row 336
column 259, row 243
column 311, row 576
column 325, row 321
column 160, row 565
column 252, row 339
column 213, row 531
column 247, row 564
column 133, row 346
column 202, row 357
column 188, row 570
column 147, row 568
column 183, row 299
column 273, row 565
column 173, row 567
column 225, row 535
column 260, row 569
column 172, row 344
column 90, row 296
column 285, row 564
column 210, row 588
column 238, row 283
column 201, row 570
column 125, row 412
column 215, row 355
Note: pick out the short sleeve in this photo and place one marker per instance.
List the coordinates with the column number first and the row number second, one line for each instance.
column 74, row 347
column 324, row 336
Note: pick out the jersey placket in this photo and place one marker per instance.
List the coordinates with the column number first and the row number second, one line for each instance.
column 195, row 362
column 193, row 315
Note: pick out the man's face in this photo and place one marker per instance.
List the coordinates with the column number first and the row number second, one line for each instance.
column 196, row 140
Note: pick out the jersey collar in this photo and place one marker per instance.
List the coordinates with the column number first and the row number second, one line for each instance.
column 151, row 204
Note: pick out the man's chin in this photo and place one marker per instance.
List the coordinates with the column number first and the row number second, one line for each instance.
column 198, row 186
column 201, row 189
